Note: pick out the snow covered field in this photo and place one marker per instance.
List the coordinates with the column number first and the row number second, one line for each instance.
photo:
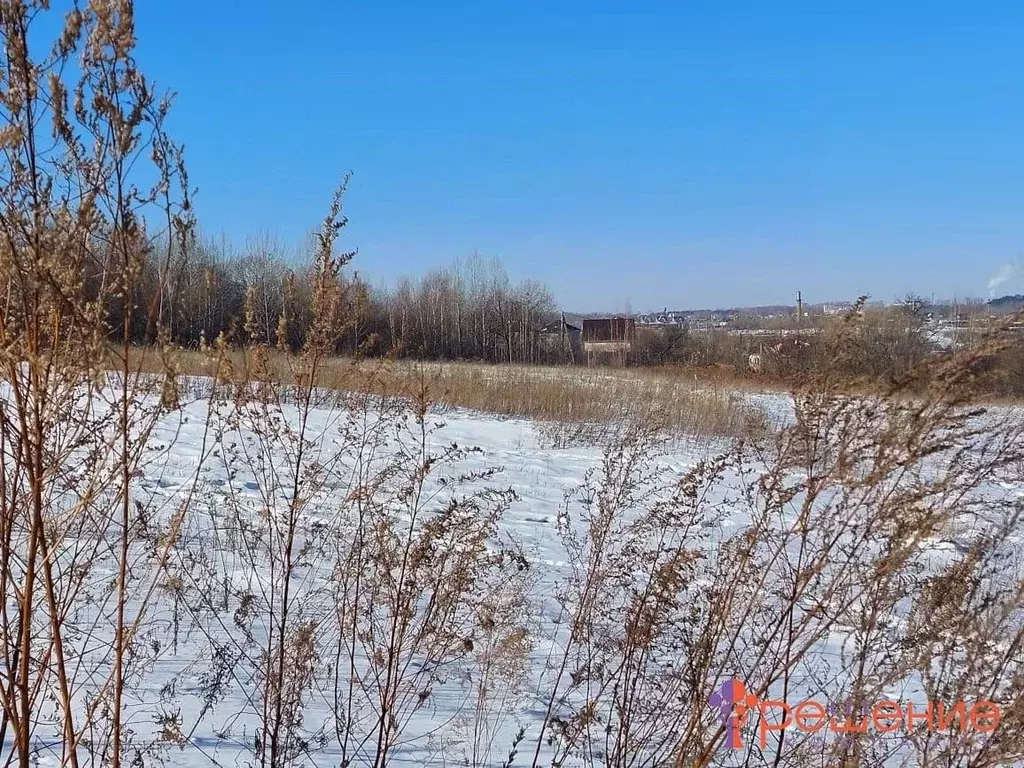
column 189, row 454
column 229, row 479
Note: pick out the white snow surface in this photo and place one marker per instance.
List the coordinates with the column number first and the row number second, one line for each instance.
column 188, row 455
column 193, row 457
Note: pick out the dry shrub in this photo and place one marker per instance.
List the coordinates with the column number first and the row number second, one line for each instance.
column 82, row 547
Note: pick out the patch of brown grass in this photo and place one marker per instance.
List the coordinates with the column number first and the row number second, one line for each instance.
column 575, row 403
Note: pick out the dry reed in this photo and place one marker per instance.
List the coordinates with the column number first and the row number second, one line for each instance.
column 561, row 397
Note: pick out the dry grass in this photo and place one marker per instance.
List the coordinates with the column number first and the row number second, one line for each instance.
column 575, row 403
column 590, row 396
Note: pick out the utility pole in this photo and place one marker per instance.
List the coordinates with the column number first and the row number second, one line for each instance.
column 799, row 320
column 956, row 322
column 561, row 339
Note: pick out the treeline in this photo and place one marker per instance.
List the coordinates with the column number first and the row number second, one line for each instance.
column 468, row 310
column 472, row 310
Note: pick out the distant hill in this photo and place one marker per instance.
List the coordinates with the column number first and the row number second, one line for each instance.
column 1007, row 304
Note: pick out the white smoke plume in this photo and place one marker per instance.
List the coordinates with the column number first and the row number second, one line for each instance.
column 1005, row 273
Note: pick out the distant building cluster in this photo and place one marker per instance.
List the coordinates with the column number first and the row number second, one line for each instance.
column 775, row 331
column 834, row 310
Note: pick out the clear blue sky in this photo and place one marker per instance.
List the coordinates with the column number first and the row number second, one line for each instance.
column 683, row 154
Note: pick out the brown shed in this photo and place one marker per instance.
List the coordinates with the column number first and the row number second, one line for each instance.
column 608, row 339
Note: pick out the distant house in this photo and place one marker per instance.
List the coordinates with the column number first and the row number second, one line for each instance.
column 608, row 340
column 836, row 310
column 665, row 317
column 561, row 341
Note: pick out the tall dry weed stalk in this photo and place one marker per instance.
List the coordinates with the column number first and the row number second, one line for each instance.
column 86, row 169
